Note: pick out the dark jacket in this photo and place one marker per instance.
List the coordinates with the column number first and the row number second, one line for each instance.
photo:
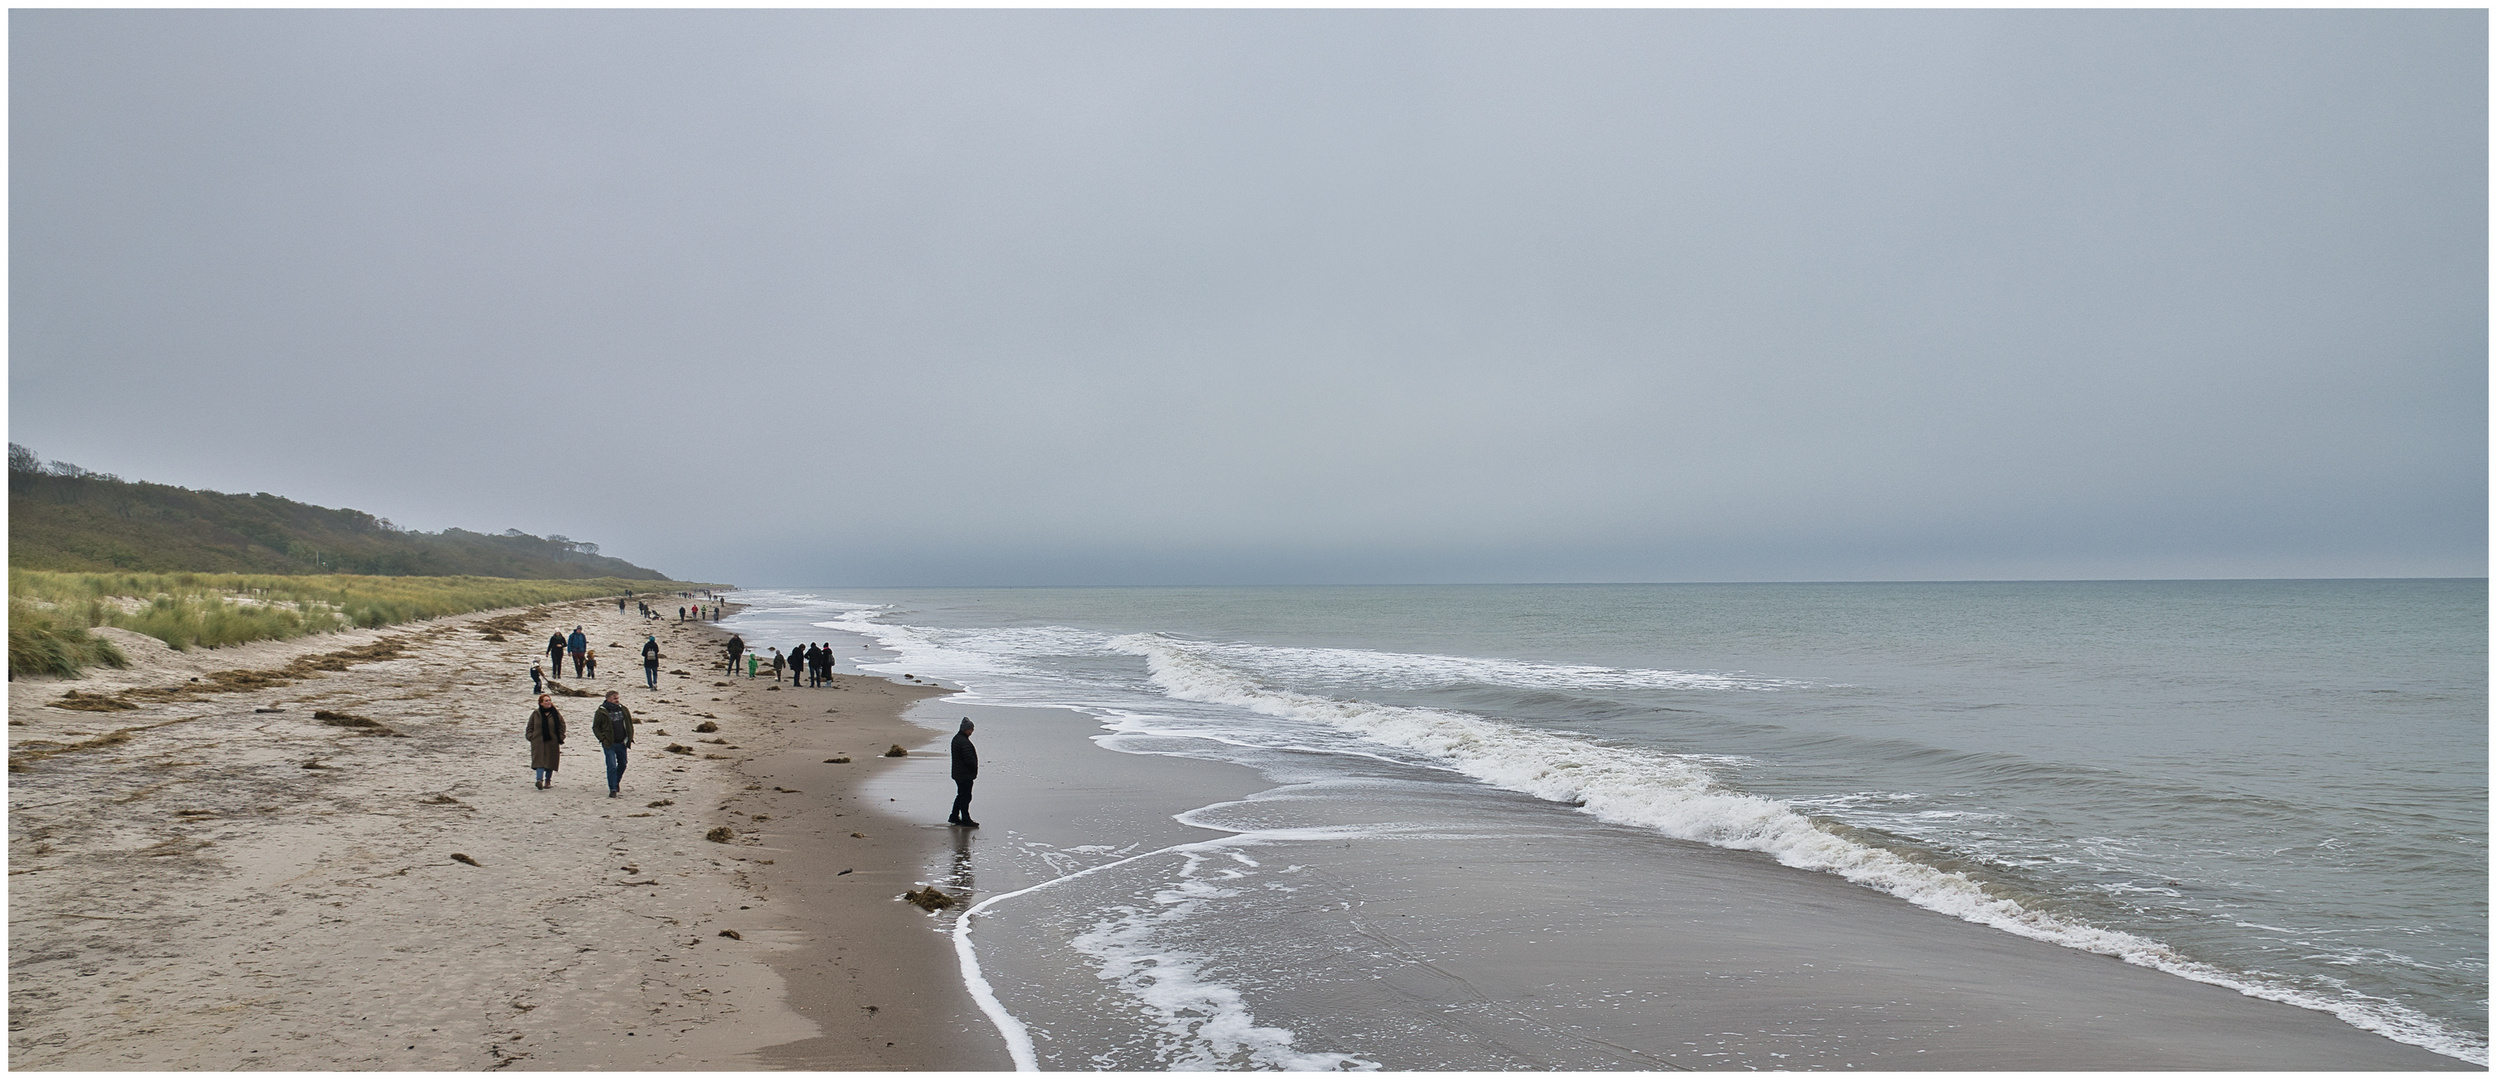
column 650, row 651
column 545, row 732
column 613, row 724
column 578, row 641
column 966, row 757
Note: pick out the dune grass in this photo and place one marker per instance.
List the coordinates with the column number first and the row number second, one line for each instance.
column 41, row 644
column 55, row 609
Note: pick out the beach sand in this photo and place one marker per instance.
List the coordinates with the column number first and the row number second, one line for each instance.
column 218, row 880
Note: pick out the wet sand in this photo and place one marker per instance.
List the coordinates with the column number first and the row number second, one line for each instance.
column 1737, row 962
column 221, row 880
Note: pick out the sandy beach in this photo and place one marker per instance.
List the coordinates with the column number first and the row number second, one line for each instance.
column 218, row 879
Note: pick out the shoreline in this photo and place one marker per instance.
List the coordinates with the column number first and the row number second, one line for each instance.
column 876, row 975
column 1746, row 962
column 281, row 893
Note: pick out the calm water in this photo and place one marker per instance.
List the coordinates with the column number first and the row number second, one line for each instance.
column 2275, row 785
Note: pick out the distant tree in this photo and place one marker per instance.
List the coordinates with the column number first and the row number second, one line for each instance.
column 23, row 460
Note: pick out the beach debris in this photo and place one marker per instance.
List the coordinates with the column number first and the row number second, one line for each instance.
column 715, row 757
column 715, row 742
column 930, row 898
column 194, row 813
column 661, row 731
column 897, row 751
column 858, row 835
column 836, row 761
column 732, row 935
column 708, row 716
column 268, row 708
column 81, row 701
column 774, row 686
column 315, row 763
column 679, row 748
column 720, row 835
column 662, row 802
column 441, row 799
column 706, row 727
column 457, row 856
column 567, row 691
column 842, row 872
column 365, row 725
column 723, row 684
column 680, row 671
column 787, row 790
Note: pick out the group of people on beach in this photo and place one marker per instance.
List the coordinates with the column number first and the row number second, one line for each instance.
column 611, row 724
column 577, row 646
column 810, row 661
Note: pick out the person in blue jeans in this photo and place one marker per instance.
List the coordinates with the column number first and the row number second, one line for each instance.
column 650, row 661
column 613, row 725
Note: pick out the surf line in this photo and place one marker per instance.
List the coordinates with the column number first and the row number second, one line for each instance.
column 1018, row 1036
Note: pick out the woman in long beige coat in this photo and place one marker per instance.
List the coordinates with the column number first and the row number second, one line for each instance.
column 545, row 732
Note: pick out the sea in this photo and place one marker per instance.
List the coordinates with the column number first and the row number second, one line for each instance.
column 2279, row 787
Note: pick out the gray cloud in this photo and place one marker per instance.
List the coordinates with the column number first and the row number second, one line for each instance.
column 938, row 297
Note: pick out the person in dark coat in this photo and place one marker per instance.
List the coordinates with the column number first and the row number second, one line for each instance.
column 555, row 652
column 650, row 661
column 579, row 643
column 545, row 732
column 736, row 649
column 966, row 770
column 613, row 725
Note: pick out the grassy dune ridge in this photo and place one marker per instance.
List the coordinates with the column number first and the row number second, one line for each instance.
column 50, row 612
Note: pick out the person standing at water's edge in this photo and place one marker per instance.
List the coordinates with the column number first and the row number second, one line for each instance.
column 736, row 648
column 613, row 725
column 966, row 769
column 545, row 732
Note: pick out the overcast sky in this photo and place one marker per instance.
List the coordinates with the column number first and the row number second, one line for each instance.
column 1000, row 297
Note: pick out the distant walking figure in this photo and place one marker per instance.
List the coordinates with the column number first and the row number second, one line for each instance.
column 555, row 652
column 650, row 661
column 545, row 732
column 613, row 725
column 966, row 770
column 578, row 643
column 537, row 678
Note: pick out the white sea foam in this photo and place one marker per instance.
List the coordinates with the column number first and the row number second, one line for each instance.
column 1678, row 797
column 1200, row 1023
column 1403, row 671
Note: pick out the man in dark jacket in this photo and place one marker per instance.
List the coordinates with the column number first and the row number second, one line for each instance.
column 966, row 769
column 613, row 725
column 736, row 649
column 650, row 661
